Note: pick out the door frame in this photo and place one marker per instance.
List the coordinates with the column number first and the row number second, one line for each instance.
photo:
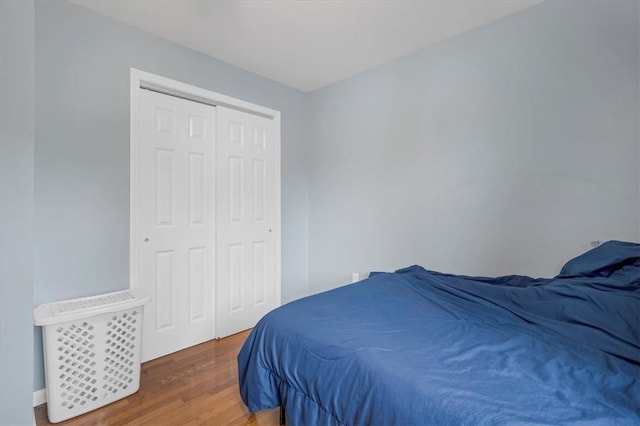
column 145, row 80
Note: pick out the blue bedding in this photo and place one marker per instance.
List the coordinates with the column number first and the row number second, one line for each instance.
column 418, row 347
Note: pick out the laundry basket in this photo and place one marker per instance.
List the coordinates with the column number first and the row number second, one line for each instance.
column 91, row 351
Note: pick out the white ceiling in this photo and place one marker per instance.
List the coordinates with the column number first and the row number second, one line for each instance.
column 306, row 44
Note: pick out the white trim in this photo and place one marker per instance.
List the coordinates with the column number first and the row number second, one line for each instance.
column 39, row 397
column 134, row 102
column 146, row 80
column 167, row 86
column 278, row 218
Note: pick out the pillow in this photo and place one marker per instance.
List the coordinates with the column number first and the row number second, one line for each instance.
column 602, row 260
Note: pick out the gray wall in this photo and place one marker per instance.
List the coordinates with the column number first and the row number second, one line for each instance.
column 16, row 210
column 504, row 150
column 82, row 150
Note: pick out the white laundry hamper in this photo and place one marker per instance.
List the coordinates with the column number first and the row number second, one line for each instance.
column 91, row 351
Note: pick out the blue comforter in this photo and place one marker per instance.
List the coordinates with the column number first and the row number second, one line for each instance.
column 418, row 347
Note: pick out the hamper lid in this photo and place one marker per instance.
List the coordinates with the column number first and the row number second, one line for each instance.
column 73, row 309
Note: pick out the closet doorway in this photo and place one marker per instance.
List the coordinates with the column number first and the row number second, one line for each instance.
column 205, row 212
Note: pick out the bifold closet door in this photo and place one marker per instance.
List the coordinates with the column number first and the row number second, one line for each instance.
column 246, row 257
column 174, row 222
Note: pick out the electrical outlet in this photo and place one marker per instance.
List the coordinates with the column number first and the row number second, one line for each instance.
column 355, row 276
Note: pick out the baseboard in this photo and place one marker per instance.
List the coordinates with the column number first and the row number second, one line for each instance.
column 39, row 397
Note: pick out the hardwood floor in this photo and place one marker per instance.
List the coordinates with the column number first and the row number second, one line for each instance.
column 196, row 386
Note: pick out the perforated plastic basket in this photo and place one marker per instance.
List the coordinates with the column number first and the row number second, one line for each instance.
column 91, row 351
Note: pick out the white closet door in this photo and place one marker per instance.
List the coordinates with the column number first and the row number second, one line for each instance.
column 174, row 223
column 246, row 196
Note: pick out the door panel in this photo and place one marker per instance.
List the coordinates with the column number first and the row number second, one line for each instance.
column 174, row 223
column 246, row 254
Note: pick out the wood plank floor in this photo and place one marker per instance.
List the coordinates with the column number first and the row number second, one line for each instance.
column 196, row 386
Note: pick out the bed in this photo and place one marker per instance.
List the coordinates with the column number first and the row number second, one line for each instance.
column 419, row 347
